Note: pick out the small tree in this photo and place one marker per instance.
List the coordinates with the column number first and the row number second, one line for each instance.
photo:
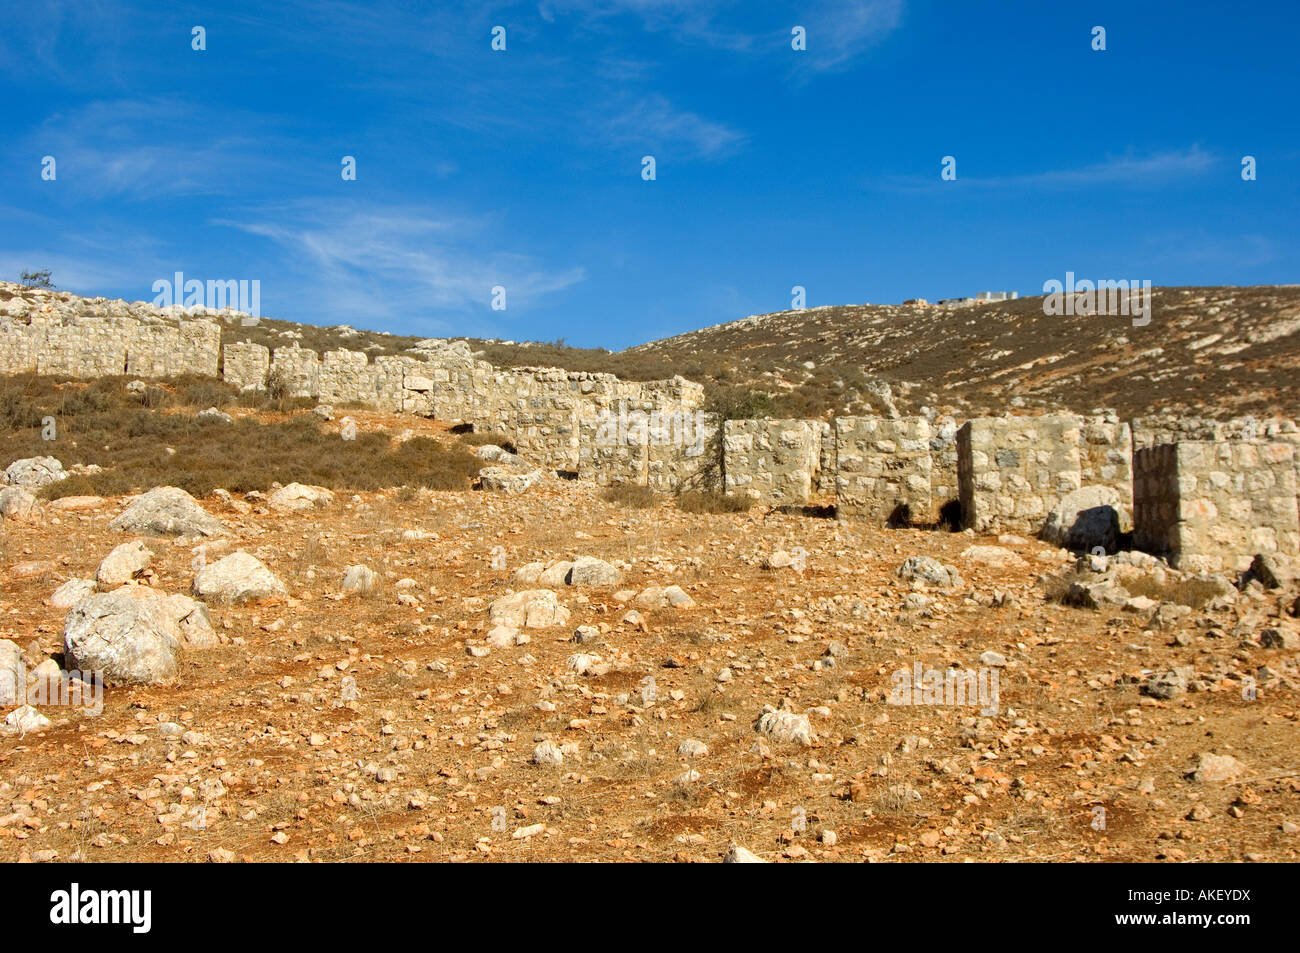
column 725, row 403
column 37, row 279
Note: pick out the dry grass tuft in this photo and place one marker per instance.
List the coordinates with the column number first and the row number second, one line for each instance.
column 630, row 494
column 711, row 501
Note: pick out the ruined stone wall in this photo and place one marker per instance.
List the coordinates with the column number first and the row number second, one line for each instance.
column 86, row 347
column 295, row 372
column 245, row 365
column 944, row 485
column 826, row 465
column 398, row 382
column 1208, row 493
column 97, row 346
column 1212, row 505
column 346, row 377
column 774, row 462
column 192, row 347
column 883, row 469
column 1156, row 499
column 607, row 457
column 541, row 417
column 540, row 410
column 636, row 439
column 1106, row 459
column 1013, row 470
column 686, row 462
column 18, row 349
column 1159, row 429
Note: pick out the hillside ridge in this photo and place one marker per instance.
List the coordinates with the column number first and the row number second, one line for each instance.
column 1218, row 352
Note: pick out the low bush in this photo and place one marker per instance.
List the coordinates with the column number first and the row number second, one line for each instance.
column 630, row 495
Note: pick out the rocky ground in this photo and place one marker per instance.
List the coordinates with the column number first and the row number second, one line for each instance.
column 391, row 699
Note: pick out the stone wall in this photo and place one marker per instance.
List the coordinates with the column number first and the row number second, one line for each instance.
column 295, row 372
column 541, row 417
column 539, row 410
column 1211, row 505
column 944, row 486
column 1156, row 499
column 1207, row 493
column 674, row 465
column 1106, row 459
column 637, row 441
column 1154, row 430
column 827, row 466
column 883, row 469
column 608, row 457
column 245, row 365
column 342, row 377
column 89, row 346
column 774, row 462
column 1013, row 470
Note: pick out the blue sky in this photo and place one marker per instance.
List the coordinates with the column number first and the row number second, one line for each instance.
column 522, row 168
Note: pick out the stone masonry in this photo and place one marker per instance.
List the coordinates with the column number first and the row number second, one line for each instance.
column 884, row 469
column 1106, row 459
column 1211, row 505
column 1205, row 493
column 639, row 442
column 245, row 365
column 774, row 462
column 1013, row 470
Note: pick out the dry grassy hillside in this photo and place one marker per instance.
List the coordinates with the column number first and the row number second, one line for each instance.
column 1216, row 352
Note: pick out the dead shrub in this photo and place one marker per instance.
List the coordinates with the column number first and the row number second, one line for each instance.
column 140, row 446
column 712, row 501
column 631, row 495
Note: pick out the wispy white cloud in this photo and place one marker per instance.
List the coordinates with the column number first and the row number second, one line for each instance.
column 838, row 30
column 47, row 39
column 1169, row 167
column 147, row 148
column 392, row 265
column 1156, row 168
column 841, row 30
column 703, row 22
column 93, row 258
column 655, row 123
column 318, row 261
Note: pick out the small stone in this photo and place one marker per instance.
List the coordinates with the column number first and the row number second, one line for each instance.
column 360, row 579
column 785, row 727
column 692, row 749
column 24, row 720
column 548, row 753
column 1218, row 768
column 1279, row 638
column 123, row 564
